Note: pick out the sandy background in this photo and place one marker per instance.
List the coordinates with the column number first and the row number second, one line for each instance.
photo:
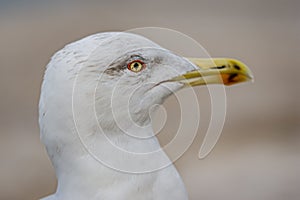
column 258, row 155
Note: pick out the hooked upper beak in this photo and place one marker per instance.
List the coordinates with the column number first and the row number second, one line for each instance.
column 225, row 71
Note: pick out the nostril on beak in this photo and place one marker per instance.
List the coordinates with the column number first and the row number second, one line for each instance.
column 237, row 67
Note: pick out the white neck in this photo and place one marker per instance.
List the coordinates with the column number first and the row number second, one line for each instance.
column 83, row 177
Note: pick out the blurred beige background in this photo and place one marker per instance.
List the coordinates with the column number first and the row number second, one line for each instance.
column 258, row 154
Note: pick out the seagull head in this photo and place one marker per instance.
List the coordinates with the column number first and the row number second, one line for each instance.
column 135, row 74
column 107, row 83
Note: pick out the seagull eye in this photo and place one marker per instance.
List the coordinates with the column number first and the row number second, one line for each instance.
column 136, row 66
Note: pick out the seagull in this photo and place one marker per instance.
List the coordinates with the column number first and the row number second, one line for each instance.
column 94, row 115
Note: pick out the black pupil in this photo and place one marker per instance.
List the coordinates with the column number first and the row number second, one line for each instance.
column 136, row 65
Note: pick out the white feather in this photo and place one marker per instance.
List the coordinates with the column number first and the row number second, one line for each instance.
column 79, row 95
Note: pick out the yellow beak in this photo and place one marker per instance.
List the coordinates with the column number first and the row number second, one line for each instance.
column 225, row 71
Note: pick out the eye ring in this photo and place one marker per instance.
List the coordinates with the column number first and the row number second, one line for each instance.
column 136, row 66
